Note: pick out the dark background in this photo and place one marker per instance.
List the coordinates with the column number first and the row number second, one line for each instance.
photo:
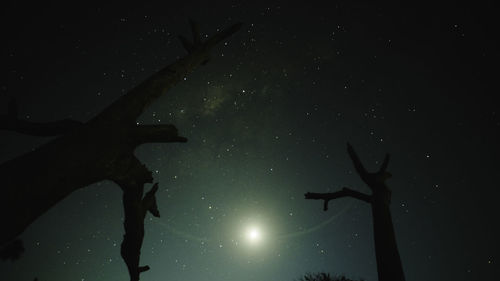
column 267, row 120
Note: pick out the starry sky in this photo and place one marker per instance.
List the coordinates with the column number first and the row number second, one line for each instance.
column 267, row 120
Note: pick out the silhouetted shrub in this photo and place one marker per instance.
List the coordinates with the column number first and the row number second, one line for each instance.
column 322, row 276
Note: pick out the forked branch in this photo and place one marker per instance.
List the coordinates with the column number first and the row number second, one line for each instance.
column 373, row 180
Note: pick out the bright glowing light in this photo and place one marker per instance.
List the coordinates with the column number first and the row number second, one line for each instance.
column 253, row 235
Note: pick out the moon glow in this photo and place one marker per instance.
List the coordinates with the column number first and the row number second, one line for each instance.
column 253, row 235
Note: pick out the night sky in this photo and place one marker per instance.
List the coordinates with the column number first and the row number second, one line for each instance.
column 267, row 119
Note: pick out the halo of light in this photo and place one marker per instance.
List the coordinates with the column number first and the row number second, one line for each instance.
column 253, row 235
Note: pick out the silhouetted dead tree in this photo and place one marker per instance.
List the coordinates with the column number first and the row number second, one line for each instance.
column 100, row 149
column 388, row 261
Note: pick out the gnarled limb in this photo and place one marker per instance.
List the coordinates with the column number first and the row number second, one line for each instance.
column 357, row 163
column 136, row 206
column 373, row 180
column 195, row 32
column 345, row 192
column 149, row 202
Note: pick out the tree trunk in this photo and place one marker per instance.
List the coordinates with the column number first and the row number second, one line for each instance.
column 389, row 265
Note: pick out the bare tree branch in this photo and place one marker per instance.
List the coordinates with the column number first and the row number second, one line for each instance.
column 195, row 31
column 149, row 202
column 186, row 44
column 357, row 163
column 129, row 106
column 345, row 192
column 196, row 43
column 373, row 180
column 383, row 167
